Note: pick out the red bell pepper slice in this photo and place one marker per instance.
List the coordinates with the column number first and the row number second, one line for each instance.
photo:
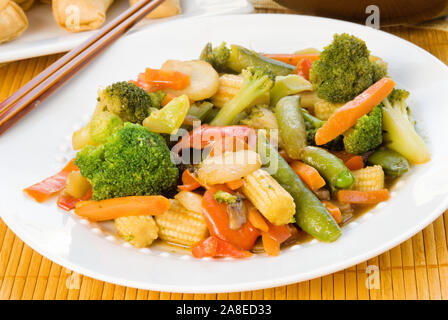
column 67, row 202
column 190, row 183
column 216, row 247
column 303, row 68
column 205, row 135
column 217, row 219
column 43, row 190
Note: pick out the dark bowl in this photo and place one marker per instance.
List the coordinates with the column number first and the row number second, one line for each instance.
column 392, row 12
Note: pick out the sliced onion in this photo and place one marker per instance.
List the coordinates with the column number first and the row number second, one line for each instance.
column 190, row 200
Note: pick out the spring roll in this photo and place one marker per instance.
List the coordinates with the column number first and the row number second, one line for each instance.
column 25, row 4
column 13, row 21
column 166, row 9
column 80, row 15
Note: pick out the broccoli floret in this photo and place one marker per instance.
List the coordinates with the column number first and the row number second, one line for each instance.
column 129, row 102
column 225, row 197
column 217, row 57
column 400, row 134
column 257, row 81
column 260, row 117
column 367, row 133
column 133, row 161
column 344, row 69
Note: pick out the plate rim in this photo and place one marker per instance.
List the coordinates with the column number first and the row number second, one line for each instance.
column 253, row 285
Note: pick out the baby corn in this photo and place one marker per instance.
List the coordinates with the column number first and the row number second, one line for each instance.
column 181, row 226
column 269, row 197
column 369, row 178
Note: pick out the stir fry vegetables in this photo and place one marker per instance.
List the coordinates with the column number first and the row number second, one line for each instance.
column 265, row 147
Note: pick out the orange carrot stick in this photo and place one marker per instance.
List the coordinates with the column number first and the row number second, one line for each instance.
column 363, row 197
column 292, row 59
column 43, row 190
column 308, row 174
column 333, row 210
column 351, row 161
column 121, row 207
column 235, row 184
column 347, row 115
column 270, row 244
column 167, row 78
column 256, row 218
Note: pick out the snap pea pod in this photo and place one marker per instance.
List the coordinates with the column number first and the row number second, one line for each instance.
column 291, row 125
column 329, row 166
column 311, row 216
column 312, row 120
column 393, row 163
column 288, row 85
column 240, row 58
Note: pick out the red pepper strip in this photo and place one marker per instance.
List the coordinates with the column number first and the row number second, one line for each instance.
column 167, row 78
column 217, row 219
column 67, row 202
column 293, row 59
column 303, row 68
column 216, row 247
column 204, row 135
column 281, row 233
column 43, row 190
column 190, row 183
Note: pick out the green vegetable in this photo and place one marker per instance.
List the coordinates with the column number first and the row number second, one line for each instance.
column 344, row 69
column 291, row 125
column 400, row 134
column 129, row 102
column 366, row 135
column 288, row 85
column 200, row 110
column 241, row 58
column 217, row 57
column 311, row 216
column 256, row 83
column 225, row 197
column 393, row 163
column 134, row 161
column 260, row 117
column 329, row 166
column 170, row 117
column 103, row 125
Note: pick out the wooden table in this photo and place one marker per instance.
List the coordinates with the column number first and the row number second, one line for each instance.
column 416, row 269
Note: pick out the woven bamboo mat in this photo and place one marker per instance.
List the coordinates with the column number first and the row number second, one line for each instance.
column 416, row 269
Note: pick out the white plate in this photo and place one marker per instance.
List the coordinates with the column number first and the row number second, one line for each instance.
column 40, row 144
column 45, row 37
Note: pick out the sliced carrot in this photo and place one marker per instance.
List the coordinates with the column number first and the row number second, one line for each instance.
column 257, row 220
column 43, row 190
column 110, row 209
column 292, row 59
column 355, row 163
column 167, row 99
column 270, row 244
column 308, row 174
column 167, row 78
column 236, row 184
column 363, row 197
column 351, row 161
column 333, row 210
column 347, row 115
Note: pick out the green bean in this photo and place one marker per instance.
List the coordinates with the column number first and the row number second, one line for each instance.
column 291, row 125
column 329, row 166
column 312, row 120
column 311, row 216
column 393, row 163
column 288, row 85
column 241, row 58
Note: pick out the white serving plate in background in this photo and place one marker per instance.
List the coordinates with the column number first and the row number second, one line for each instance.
column 44, row 36
column 39, row 145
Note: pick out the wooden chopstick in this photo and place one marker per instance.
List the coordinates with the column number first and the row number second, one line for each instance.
column 34, row 92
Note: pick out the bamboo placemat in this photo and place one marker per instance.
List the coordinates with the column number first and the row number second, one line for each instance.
column 416, row 269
